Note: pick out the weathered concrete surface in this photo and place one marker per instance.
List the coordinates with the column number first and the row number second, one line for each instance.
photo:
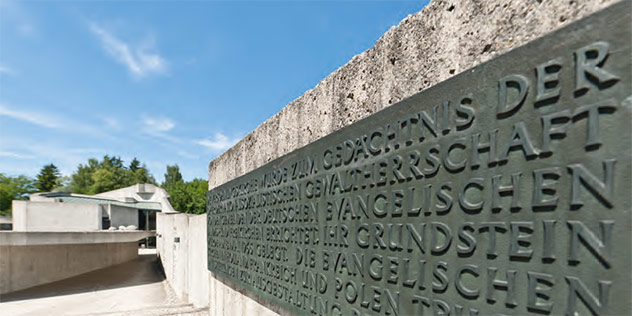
column 228, row 298
column 444, row 39
column 198, row 261
column 181, row 245
column 136, row 288
column 22, row 267
column 185, row 266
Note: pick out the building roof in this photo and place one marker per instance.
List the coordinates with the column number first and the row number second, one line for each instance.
column 140, row 196
column 140, row 205
column 81, row 198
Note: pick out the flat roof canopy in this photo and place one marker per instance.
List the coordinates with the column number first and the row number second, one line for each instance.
column 73, row 198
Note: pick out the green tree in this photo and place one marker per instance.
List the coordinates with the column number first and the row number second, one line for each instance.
column 82, row 179
column 47, row 178
column 177, row 196
column 112, row 162
column 142, row 175
column 104, row 179
column 185, row 197
column 172, row 177
column 14, row 188
column 198, row 188
column 189, row 197
column 63, row 184
column 134, row 164
column 108, row 174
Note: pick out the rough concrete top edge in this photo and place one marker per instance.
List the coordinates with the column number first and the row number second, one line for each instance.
column 179, row 214
column 425, row 48
column 13, row 238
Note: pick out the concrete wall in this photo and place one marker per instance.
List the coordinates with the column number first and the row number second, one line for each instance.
column 198, row 254
column 228, row 298
column 185, row 265
column 121, row 215
column 22, row 267
column 442, row 40
column 184, row 261
column 47, row 216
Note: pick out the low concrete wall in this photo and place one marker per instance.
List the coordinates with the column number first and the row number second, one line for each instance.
column 29, row 259
column 229, row 298
column 54, row 216
column 181, row 245
column 185, row 265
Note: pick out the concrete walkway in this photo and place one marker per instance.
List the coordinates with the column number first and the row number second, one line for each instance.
column 137, row 287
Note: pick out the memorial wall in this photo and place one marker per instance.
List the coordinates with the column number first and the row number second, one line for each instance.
column 504, row 190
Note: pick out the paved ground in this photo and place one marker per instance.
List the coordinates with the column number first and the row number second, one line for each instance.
column 137, row 287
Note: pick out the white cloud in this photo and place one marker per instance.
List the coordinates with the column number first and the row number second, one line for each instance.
column 155, row 125
column 93, row 151
column 20, row 19
column 26, row 29
column 139, row 60
column 6, row 70
column 186, row 154
column 219, row 142
column 31, row 117
column 111, row 123
column 158, row 128
column 65, row 158
column 52, row 121
column 9, row 154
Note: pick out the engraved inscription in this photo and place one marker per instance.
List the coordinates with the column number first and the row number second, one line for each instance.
column 505, row 190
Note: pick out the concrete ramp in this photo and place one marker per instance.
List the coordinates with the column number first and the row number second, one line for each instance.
column 30, row 259
column 137, row 287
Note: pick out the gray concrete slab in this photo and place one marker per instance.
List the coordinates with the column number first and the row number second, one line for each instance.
column 16, row 238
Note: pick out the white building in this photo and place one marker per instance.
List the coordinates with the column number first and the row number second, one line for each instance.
column 55, row 211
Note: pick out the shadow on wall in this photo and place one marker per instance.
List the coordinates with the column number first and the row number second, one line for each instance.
column 145, row 269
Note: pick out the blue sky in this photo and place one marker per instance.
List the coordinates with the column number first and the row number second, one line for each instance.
column 164, row 81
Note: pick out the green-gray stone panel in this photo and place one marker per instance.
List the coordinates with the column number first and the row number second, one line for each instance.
column 505, row 190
